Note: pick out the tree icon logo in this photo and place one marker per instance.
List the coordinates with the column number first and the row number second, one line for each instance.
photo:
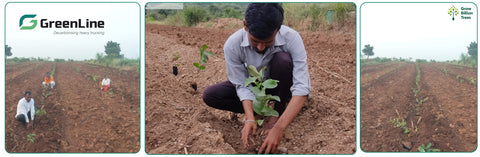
column 453, row 12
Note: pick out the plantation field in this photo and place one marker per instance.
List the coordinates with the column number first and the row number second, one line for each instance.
column 179, row 122
column 436, row 102
column 78, row 116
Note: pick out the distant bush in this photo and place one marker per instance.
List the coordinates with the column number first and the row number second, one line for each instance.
column 59, row 60
column 194, row 15
column 114, row 62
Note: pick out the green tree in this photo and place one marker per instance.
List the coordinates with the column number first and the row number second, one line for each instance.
column 112, row 49
column 368, row 50
column 8, row 50
column 472, row 49
column 194, row 15
column 230, row 12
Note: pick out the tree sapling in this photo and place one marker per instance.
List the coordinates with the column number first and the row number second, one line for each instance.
column 260, row 104
column 203, row 58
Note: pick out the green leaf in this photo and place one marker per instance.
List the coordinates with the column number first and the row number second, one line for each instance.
column 257, row 107
column 250, row 80
column 420, row 149
column 269, row 84
column 261, row 72
column 269, row 111
column 259, row 122
column 201, row 67
column 204, row 46
column 196, row 64
column 271, row 97
column 253, row 71
column 209, row 53
column 429, row 145
column 256, row 91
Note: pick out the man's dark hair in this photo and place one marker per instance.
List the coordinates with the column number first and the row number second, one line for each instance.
column 262, row 19
column 27, row 92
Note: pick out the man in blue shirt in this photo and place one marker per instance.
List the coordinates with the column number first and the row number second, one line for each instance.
column 263, row 41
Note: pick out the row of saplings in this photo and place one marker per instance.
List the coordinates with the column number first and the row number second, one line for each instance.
column 400, row 122
column 40, row 111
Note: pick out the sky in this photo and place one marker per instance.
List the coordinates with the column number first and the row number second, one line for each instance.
column 417, row 30
column 122, row 25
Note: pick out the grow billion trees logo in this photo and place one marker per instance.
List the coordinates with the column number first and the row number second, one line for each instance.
column 465, row 13
column 45, row 23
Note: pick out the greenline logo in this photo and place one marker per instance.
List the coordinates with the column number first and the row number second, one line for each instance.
column 45, row 23
column 34, row 22
column 453, row 12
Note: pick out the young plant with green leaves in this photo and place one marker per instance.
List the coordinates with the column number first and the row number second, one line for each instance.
column 203, row 58
column 417, row 81
column 472, row 80
column 420, row 103
column 40, row 112
column 31, row 137
column 260, row 104
column 427, row 148
column 400, row 123
column 176, row 56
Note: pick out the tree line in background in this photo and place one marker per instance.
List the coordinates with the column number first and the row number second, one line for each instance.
column 112, row 57
column 300, row 16
column 466, row 59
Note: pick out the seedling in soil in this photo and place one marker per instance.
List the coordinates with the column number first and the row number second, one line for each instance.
column 427, row 148
column 203, row 58
column 94, row 77
column 260, row 104
column 472, row 80
column 400, row 124
column 445, row 71
column 458, row 76
column 40, row 112
column 420, row 103
column 176, row 56
column 417, row 80
column 31, row 137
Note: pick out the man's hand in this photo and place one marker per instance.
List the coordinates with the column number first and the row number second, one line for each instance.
column 274, row 136
column 249, row 127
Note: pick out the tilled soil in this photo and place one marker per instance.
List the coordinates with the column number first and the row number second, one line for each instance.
column 447, row 119
column 79, row 117
column 179, row 122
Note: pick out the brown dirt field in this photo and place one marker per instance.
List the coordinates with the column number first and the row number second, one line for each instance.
column 371, row 74
column 447, row 119
column 179, row 122
column 79, row 118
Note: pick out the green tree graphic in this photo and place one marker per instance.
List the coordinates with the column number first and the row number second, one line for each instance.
column 453, row 12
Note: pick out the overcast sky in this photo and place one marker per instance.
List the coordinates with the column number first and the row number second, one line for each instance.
column 122, row 25
column 417, row 30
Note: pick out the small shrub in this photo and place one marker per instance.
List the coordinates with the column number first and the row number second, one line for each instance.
column 203, row 58
column 31, row 137
column 427, row 148
column 400, row 124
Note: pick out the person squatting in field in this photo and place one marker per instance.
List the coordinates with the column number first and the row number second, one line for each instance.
column 263, row 41
column 26, row 110
column 105, row 84
column 48, row 80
